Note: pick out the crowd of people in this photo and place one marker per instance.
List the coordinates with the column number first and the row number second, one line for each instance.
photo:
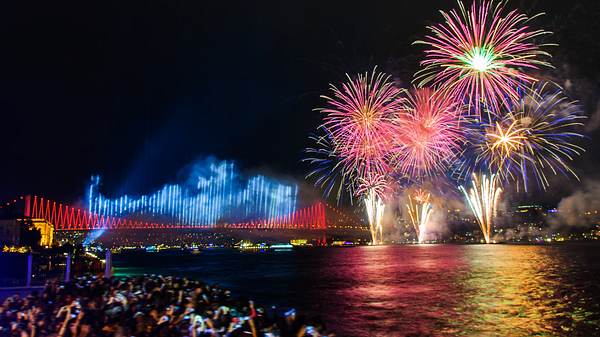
column 145, row 306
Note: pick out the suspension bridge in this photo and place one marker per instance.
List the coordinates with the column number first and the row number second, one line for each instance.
column 64, row 217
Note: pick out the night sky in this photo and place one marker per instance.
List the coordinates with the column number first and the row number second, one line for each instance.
column 136, row 90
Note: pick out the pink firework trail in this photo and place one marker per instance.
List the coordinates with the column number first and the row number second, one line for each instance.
column 361, row 118
column 429, row 135
column 374, row 188
column 480, row 54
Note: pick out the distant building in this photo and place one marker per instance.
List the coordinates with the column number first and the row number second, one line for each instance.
column 16, row 225
column 46, row 230
column 12, row 231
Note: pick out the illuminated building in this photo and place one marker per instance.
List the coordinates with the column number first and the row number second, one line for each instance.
column 46, row 230
column 299, row 242
column 11, row 231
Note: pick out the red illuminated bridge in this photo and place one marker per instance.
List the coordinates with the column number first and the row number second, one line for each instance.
column 65, row 218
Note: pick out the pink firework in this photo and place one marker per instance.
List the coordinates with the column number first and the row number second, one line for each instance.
column 361, row 118
column 429, row 134
column 480, row 54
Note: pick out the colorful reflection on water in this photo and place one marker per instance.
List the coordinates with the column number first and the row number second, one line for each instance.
column 427, row 290
column 529, row 291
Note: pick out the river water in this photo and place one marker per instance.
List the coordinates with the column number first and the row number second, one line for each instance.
column 437, row 290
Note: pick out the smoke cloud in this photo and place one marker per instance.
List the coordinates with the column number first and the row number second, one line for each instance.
column 579, row 208
column 397, row 225
column 593, row 122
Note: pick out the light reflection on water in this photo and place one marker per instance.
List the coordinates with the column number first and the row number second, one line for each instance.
column 437, row 290
column 528, row 291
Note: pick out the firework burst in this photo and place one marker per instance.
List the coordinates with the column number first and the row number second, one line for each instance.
column 536, row 136
column 428, row 134
column 360, row 118
column 481, row 53
column 373, row 182
column 360, row 124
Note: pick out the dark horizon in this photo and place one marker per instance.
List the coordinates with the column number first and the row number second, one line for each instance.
column 137, row 91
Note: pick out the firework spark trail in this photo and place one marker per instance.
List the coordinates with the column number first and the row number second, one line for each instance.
column 327, row 169
column 419, row 210
column 428, row 134
column 483, row 200
column 480, row 53
column 374, row 188
column 375, row 209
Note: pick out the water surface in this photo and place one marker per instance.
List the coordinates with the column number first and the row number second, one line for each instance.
column 440, row 290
